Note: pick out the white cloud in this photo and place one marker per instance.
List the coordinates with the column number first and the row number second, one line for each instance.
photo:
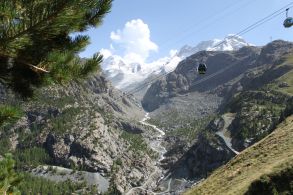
column 112, row 47
column 135, row 40
column 115, row 36
column 106, row 53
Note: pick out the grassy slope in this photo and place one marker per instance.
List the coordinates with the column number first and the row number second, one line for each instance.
column 288, row 78
column 272, row 154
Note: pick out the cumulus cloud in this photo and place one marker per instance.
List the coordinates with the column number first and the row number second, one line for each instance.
column 135, row 40
column 106, row 53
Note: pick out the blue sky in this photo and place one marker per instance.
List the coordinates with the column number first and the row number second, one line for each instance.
column 154, row 27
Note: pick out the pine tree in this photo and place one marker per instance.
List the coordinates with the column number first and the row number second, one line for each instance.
column 8, row 178
column 35, row 41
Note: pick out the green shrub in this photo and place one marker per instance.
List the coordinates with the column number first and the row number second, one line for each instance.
column 5, row 145
column 9, row 114
column 38, row 185
column 280, row 182
column 31, row 157
column 9, row 179
column 137, row 143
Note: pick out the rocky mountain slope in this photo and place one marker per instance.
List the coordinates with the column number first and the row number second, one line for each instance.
column 82, row 125
column 265, row 168
column 89, row 131
column 255, row 92
column 224, row 70
column 127, row 76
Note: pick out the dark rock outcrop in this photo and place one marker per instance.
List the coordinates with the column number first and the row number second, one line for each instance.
column 202, row 158
column 130, row 127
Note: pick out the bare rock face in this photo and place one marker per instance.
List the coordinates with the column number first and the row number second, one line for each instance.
column 283, row 85
column 202, row 158
column 271, row 53
column 80, row 126
column 183, row 93
column 185, row 78
column 225, row 69
column 130, row 127
column 95, row 151
column 216, row 125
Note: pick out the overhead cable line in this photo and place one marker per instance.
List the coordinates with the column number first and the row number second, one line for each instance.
column 208, row 24
column 242, row 32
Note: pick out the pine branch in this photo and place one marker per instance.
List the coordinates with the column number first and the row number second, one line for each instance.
column 46, row 20
column 33, row 67
column 34, row 33
column 96, row 16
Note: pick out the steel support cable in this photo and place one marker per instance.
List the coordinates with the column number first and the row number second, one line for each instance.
column 242, row 32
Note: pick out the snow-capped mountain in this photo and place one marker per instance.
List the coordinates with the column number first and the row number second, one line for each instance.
column 122, row 74
column 127, row 76
column 229, row 43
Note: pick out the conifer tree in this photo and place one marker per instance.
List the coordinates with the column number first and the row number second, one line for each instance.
column 9, row 179
column 35, row 41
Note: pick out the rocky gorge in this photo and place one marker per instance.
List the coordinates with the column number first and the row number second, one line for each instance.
column 86, row 130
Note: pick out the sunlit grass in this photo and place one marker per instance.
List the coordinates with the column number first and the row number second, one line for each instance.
column 288, row 78
column 269, row 156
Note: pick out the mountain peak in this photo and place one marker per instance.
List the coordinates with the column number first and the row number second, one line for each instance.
column 229, row 43
column 124, row 74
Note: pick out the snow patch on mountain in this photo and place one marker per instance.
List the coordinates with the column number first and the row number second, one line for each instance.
column 123, row 74
column 229, row 43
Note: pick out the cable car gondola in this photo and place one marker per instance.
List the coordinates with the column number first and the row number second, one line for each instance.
column 202, row 68
column 288, row 21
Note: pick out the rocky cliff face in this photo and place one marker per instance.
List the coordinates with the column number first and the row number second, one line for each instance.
column 185, row 78
column 224, row 70
column 83, row 125
column 88, row 125
column 257, row 115
column 264, row 168
column 247, row 84
column 207, row 154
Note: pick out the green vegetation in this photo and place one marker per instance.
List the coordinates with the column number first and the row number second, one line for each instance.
column 137, row 143
column 279, row 182
column 286, row 78
column 65, row 121
column 112, row 190
column 190, row 131
column 5, row 145
column 26, row 139
column 9, row 114
column 258, row 113
column 170, row 119
column 31, row 157
column 38, row 185
column 9, row 179
column 35, row 40
column 271, row 157
column 25, row 183
column 44, row 98
column 180, row 125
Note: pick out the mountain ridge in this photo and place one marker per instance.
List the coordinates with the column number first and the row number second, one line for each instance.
column 127, row 76
column 223, row 68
